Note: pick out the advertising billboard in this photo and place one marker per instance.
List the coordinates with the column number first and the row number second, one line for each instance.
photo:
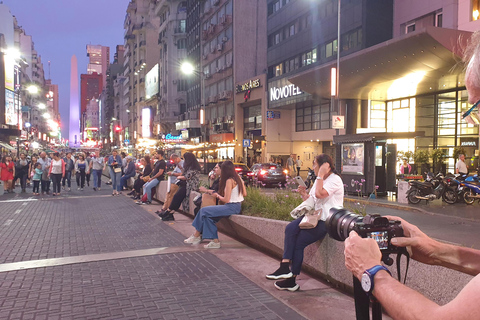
column 11, row 117
column 151, row 82
column 146, row 123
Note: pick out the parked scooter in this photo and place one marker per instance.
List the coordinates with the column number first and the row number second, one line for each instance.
column 432, row 188
column 310, row 178
column 454, row 181
column 471, row 189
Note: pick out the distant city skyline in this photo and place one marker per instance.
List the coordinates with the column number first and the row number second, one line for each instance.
column 61, row 31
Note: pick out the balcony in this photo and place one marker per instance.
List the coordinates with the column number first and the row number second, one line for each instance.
column 129, row 37
column 179, row 30
column 142, row 43
column 137, row 26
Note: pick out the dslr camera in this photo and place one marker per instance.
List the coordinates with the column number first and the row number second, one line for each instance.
column 341, row 221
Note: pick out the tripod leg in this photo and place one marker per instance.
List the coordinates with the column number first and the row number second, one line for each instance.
column 362, row 302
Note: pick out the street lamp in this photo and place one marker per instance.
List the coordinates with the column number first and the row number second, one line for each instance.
column 188, row 69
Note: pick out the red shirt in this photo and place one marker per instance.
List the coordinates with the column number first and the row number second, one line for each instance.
column 7, row 171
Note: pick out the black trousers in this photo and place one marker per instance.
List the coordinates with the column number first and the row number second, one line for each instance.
column 178, row 198
column 45, row 185
column 80, row 178
column 57, row 182
column 137, row 186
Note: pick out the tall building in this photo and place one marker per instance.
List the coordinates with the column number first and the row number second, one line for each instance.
column 98, row 60
column 233, row 50
column 142, row 52
column 172, row 86
column 91, row 86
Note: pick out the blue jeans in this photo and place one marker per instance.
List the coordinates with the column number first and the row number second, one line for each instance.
column 206, row 219
column 296, row 240
column 68, row 178
column 147, row 188
column 124, row 179
column 97, row 178
column 115, row 176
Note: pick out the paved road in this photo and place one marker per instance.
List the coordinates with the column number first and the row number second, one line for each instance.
column 90, row 255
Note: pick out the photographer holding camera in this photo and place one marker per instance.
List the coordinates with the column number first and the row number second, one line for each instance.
column 362, row 255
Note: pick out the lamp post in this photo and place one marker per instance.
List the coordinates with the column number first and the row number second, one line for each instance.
column 188, row 69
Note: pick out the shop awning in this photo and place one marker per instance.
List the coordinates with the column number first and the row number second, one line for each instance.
column 430, row 56
column 7, row 146
column 376, row 136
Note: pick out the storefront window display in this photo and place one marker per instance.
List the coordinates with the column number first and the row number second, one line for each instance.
column 353, row 158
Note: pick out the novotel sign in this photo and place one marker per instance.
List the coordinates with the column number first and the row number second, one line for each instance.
column 289, row 90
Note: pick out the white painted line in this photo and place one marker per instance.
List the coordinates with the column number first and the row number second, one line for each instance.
column 9, row 222
column 17, row 211
column 19, row 200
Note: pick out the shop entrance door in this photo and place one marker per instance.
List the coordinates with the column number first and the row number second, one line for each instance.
column 380, row 172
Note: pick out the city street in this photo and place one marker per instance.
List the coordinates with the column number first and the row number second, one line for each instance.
column 88, row 255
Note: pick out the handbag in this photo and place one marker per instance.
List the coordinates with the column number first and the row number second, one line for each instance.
column 117, row 170
column 305, row 208
column 145, row 178
column 310, row 221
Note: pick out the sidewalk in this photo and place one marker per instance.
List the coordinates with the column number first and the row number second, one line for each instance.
column 88, row 255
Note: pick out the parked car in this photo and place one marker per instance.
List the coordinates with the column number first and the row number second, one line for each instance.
column 244, row 172
column 269, row 174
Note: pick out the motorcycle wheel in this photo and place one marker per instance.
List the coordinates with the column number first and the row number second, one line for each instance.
column 411, row 196
column 468, row 197
column 308, row 182
column 450, row 196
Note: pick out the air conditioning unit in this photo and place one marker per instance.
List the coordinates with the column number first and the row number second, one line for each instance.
column 208, row 75
column 205, row 56
column 217, row 69
column 219, row 47
column 224, row 67
column 229, row 64
column 229, row 94
column 223, row 19
column 223, row 95
column 224, row 39
column 212, row 49
column 216, row 2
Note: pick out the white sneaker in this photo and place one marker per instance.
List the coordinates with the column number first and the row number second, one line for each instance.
column 212, row 245
column 193, row 240
column 78, row 189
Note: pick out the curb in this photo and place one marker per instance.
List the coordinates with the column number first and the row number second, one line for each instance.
column 388, row 205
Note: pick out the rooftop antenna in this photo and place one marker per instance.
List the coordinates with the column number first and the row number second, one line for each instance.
column 49, row 77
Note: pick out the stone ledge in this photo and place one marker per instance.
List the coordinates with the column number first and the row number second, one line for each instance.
column 325, row 259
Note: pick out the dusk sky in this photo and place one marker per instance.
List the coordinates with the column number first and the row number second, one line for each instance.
column 62, row 28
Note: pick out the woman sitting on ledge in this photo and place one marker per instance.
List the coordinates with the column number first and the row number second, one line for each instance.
column 327, row 192
column 231, row 192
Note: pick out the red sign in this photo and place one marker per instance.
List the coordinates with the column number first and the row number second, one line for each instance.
column 222, row 138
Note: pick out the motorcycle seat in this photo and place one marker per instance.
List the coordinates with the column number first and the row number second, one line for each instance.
column 475, row 183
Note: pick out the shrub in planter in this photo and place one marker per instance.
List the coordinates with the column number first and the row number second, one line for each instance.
column 438, row 157
column 458, row 151
column 421, row 158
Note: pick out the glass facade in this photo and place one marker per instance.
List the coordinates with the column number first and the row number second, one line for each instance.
column 438, row 115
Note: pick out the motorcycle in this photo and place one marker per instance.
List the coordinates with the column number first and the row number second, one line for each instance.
column 310, row 178
column 471, row 190
column 433, row 188
column 454, row 181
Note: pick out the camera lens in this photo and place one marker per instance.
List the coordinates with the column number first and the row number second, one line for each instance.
column 340, row 222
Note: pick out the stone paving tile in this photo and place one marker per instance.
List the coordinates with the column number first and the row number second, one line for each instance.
column 70, row 226
column 193, row 285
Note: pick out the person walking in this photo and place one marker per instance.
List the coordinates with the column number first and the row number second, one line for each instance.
column 80, row 171
column 231, row 192
column 189, row 182
column 88, row 173
column 129, row 172
column 69, row 168
column 21, row 171
column 461, row 167
column 157, row 176
column 327, row 192
column 56, row 173
column 115, row 165
column 31, row 167
column 7, row 172
column 45, row 162
column 36, row 178
column 97, row 165
column 290, row 165
column 299, row 164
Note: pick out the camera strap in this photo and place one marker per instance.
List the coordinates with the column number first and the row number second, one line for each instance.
column 399, row 257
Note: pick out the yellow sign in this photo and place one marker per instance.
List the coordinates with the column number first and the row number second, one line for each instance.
column 248, row 85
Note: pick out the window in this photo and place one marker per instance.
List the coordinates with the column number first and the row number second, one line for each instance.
column 439, row 19
column 182, row 43
column 331, row 49
column 313, row 117
column 292, row 30
column 277, row 39
column 475, row 10
column 410, row 27
column 279, row 70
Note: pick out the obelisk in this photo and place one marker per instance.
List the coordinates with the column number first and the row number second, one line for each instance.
column 74, row 128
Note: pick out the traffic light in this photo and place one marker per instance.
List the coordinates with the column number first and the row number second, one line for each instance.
column 117, row 129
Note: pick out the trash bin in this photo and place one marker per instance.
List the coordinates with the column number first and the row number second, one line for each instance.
column 402, row 192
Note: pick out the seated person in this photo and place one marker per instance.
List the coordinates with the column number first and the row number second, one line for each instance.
column 143, row 176
column 174, row 182
column 191, row 180
column 233, row 190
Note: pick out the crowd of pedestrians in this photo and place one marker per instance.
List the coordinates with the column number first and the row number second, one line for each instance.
column 50, row 173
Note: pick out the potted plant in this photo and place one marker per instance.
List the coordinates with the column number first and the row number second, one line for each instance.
column 438, row 157
column 421, row 157
column 458, row 151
